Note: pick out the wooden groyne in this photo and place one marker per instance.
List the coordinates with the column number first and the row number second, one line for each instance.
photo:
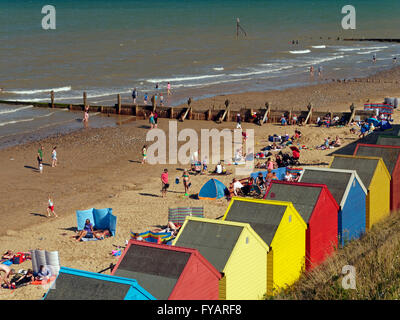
column 373, row 39
column 265, row 114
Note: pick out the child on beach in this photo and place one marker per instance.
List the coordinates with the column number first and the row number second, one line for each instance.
column 50, row 207
column 169, row 89
column 40, row 158
column 144, row 160
column 186, row 182
column 151, row 120
column 54, row 157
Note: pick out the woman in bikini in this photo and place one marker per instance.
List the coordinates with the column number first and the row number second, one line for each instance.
column 186, row 182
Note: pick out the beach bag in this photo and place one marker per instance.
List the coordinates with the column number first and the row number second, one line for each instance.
column 18, row 258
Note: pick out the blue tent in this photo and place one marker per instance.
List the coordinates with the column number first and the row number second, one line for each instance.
column 100, row 218
column 213, row 189
column 280, row 173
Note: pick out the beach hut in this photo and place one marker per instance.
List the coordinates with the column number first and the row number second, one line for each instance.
column 213, row 189
column 391, row 158
column 74, row 284
column 101, row 219
column 169, row 273
column 319, row 210
column 282, row 229
column 234, row 249
column 349, row 192
column 388, row 140
column 376, row 179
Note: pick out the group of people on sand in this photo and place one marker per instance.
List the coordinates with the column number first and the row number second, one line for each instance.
column 89, row 232
column 40, row 158
column 165, row 182
column 330, row 144
column 153, row 119
column 294, row 120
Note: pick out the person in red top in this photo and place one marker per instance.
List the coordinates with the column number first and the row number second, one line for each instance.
column 164, row 183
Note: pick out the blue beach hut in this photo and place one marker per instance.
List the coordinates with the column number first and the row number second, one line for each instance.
column 74, row 284
column 349, row 192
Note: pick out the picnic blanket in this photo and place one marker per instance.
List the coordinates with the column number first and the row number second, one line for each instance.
column 178, row 215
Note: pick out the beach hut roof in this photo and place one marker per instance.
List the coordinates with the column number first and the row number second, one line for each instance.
column 388, row 140
column 389, row 154
column 304, row 196
column 214, row 239
column 73, row 284
column 156, row 267
column 263, row 216
column 338, row 181
column 365, row 166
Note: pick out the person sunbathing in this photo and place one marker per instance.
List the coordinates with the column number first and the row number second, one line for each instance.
column 8, row 255
column 44, row 274
column 101, row 234
column 171, row 227
column 25, row 279
column 8, row 272
column 86, row 232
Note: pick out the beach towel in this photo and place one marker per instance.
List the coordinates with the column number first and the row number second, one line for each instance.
column 49, row 259
column 6, row 262
column 178, row 215
column 43, row 282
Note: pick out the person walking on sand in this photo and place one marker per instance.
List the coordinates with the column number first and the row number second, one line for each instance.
column 161, row 100
column 144, row 151
column 186, row 182
column 50, row 207
column 40, row 158
column 54, row 157
column 164, row 183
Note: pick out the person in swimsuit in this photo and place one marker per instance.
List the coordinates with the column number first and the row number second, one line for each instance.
column 151, row 120
column 6, row 278
column 186, row 182
column 50, row 208
column 144, row 151
column 54, row 157
column 86, row 232
column 169, row 89
column 164, row 183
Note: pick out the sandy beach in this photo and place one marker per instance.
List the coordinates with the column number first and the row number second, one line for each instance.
column 102, row 168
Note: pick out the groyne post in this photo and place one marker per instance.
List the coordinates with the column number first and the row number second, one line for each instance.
column 52, row 98
column 84, row 100
column 266, row 113
column 119, row 103
column 309, row 115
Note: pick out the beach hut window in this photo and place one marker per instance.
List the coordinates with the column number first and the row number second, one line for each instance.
column 247, row 240
column 290, row 218
column 354, row 183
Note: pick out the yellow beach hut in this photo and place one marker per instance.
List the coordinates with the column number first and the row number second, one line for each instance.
column 282, row 229
column 375, row 177
column 235, row 250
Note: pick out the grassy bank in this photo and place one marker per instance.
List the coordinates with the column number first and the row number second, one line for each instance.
column 376, row 258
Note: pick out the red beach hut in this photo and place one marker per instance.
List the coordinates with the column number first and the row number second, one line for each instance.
column 318, row 208
column 169, row 272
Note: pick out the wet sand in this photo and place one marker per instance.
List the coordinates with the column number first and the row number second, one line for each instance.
column 101, row 168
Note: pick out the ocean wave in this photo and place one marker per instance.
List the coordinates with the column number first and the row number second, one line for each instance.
column 362, row 48
column 188, row 78
column 321, row 60
column 319, row 47
column 24, row 120
column 15, row 110
column 300, row 51
column 36, row 91
column 218, row 68
column 369, row 52
column 255, row 71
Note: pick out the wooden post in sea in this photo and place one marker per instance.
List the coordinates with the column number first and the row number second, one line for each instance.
column 84, row 100
column 119, row 103
column 136, row 110
column 52, row 98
